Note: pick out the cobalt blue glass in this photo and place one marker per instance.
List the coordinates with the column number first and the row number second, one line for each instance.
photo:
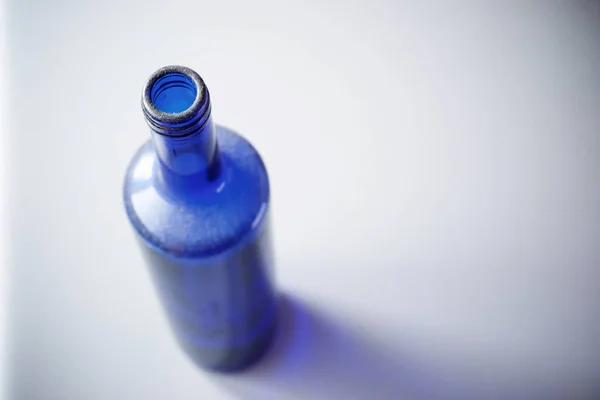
column 197, row 195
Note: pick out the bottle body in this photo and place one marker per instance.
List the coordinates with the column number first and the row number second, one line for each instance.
column 199, row 204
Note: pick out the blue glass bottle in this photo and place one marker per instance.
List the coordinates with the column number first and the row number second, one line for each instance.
column 197, row 195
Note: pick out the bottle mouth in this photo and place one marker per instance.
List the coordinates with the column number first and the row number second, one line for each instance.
column 175, row 101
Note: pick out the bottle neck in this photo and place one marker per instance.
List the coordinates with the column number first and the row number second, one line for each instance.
column 176, row 106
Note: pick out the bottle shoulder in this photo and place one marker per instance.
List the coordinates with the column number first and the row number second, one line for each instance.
column 209, row 219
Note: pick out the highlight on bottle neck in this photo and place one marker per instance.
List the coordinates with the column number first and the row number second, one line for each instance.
column 176, row 106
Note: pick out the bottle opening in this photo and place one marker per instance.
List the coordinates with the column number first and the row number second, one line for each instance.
column 175, row 102
column 173, row 93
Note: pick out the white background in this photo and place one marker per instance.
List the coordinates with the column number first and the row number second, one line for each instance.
column 436, row 195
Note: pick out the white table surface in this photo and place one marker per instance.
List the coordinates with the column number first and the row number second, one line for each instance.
column 436, row 195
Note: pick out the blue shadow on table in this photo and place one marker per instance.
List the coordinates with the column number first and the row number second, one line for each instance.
column 315, row 356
